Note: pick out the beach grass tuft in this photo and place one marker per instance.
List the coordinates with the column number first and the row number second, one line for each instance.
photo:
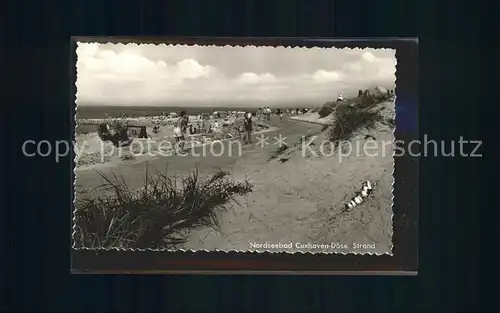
column 158, row 216
column 363, row 114
column 326, row 109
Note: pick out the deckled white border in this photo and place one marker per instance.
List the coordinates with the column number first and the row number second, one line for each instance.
column 251, row 252
column 394, row 151
column 75, row 124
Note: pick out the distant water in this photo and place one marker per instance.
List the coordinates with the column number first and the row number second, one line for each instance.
column 136, row 111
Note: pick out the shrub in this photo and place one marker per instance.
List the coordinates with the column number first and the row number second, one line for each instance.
column 325, row 110
column 117, row 132
column 369, row 100
column 366, row 102
column 155, row 217
column 103, row 132
column 350, row 119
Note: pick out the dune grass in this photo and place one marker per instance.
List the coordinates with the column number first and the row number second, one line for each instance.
column 329, row 107
column 326, row 109
column 363, row 114
column 155, row 217
column 370, row 100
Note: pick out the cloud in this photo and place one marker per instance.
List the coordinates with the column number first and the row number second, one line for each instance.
column 368, row 57
column 253, row 78
column 322, row 76
column 147, row 74
column 190, row 69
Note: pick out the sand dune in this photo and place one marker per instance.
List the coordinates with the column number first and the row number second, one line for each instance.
column 301, row 201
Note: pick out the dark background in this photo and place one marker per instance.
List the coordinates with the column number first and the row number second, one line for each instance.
column 457, row 58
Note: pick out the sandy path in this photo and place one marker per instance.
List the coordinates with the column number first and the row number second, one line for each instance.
column 313, row 117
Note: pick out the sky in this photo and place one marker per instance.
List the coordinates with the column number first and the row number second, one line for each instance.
column 149, row 75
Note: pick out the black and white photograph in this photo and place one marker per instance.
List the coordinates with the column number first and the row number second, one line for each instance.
column 234, row 148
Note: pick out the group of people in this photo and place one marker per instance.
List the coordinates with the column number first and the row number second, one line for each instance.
column 299, row 111
column 181, row 126
column 245, row 127
column 265, row 112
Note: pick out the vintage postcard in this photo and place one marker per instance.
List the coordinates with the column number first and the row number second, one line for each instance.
column 234, row 148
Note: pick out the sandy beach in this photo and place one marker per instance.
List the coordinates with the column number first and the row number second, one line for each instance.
column 92, row 152
column 298, row 198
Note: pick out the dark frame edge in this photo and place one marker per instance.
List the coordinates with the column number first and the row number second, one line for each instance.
column 405, row 207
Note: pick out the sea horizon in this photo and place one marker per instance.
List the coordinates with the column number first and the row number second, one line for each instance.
column 116, row 110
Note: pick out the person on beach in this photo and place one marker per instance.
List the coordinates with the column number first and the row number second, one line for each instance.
column 180, row 128
column 239, row 126
column 248, row 127
column 268, row 113
column 280, row 113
